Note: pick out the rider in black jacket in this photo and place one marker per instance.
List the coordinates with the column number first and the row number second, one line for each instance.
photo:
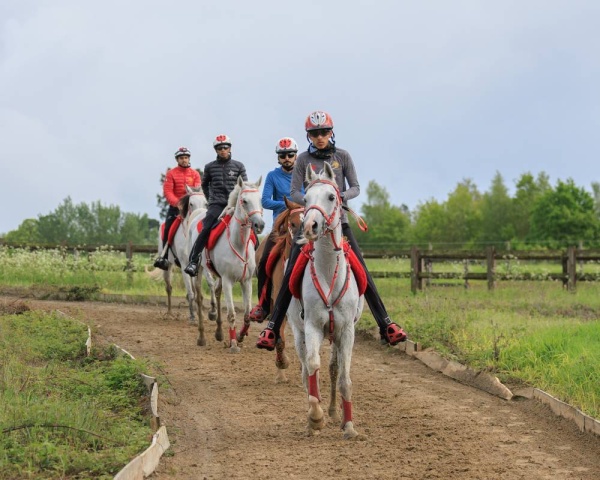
column 218, row 180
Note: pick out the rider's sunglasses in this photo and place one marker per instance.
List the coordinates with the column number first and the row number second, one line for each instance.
column 223, row 147
column 321, row 132
column 283, row 156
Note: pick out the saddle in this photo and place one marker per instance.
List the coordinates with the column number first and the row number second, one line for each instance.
column 218, row 231
column 356, row 266
column 172, row 230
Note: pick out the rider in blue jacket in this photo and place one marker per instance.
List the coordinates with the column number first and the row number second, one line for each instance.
column 277, row 186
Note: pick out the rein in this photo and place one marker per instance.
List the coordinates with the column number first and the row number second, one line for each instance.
column 329, row 230
column 244, row 224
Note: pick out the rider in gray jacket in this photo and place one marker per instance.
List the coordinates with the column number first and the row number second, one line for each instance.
column 321, row 149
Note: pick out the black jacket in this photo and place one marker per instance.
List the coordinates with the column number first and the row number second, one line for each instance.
column 219, row 179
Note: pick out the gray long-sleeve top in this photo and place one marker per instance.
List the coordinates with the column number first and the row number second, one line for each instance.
column 344, row 170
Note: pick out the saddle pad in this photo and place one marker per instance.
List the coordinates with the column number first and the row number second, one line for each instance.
column 360, row 275
column 274, row 255
column 218, row 231
column 173, row 229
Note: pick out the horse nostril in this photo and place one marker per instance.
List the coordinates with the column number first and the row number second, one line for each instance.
column 314, row 227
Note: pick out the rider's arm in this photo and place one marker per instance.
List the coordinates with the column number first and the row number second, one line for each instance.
column 297, row 184
column 169, row 189
column 206, row 179
column 351, row 178
column 267, row 199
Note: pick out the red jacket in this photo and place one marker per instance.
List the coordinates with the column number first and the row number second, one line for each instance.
column 176, row 180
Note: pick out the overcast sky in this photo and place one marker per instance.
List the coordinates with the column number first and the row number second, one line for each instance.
column 95, row 96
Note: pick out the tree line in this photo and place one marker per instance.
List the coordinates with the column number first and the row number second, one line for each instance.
column 538, row 215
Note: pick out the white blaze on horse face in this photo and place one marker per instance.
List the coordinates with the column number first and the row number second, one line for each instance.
column 311, row 224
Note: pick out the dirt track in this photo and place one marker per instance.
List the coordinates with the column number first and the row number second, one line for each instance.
column 227, row 418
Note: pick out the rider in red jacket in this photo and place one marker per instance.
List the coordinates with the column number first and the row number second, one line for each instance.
column 174, row 188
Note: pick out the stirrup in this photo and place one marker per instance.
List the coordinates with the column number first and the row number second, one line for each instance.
column 161, row 263
column 257, row 314
column 191, row 269
column 267, row 339
column 394, row 334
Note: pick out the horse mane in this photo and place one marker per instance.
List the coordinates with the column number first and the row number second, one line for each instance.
column 233, row 196
column 184, row 205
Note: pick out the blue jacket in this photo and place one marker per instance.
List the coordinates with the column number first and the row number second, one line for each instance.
column 277, row 185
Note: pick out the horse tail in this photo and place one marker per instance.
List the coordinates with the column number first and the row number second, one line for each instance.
column 155, row 274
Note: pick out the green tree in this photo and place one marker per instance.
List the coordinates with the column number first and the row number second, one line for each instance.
column 529, row 190
column 496, row 214
column 27, row 232
column 463, row 214
column 429, row 222
column 564, row 216
column 93, row 224
column 387, row 223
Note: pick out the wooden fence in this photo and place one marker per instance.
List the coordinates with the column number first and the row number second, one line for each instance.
column 422, row 261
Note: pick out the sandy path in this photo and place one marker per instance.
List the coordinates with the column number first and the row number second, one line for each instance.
column 227, row 418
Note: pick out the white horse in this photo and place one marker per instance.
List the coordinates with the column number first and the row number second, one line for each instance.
column 232, row 258
column 193, row 206
column 329, row 304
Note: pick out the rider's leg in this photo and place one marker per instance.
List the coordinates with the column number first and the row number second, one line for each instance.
column 162, row 261
column 261, row 310
column 209, row 221
column 390, row 331
column 268, row 337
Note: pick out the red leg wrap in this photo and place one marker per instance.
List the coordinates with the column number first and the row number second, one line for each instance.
column 232, row 335
column 313, row 385
column 347, row 409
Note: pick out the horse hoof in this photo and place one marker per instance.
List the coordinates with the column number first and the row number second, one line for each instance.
column 219, row 336
column 212, row 316
column 333, row 414
column 234, row 349
column 349, row 432
column 282, row 363
column 281, row 377
column 316, row 423
column 201, row 342
column 192, row 322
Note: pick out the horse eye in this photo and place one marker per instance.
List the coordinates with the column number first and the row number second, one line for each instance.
column 331, row 197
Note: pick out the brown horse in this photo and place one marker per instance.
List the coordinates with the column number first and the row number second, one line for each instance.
column 285, row 228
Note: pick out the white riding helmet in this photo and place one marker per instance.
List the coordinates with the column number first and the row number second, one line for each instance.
column 221, row 140
column 286, row 144
column 182, row 151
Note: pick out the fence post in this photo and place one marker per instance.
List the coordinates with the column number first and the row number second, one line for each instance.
column 490, row 254
column 129, row 266
column 429, row 266
column 571, row 268
column 466, row 272
column 415, row 269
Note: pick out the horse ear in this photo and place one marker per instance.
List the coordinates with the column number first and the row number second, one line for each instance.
column 309, row 173
column 328, row 171
column 287, row 203
column 259, row 181
column 188, row 189
column 240, row 181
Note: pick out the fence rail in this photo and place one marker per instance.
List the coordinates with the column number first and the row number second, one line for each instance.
column 421, row 262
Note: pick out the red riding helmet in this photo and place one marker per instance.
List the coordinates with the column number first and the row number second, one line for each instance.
column 318, row 120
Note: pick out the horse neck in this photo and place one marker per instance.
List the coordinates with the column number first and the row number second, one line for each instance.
column 328, row 248
column 191, row 216
column 239, row 233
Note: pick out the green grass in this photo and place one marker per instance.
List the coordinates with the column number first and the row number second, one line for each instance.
column 63, row 414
